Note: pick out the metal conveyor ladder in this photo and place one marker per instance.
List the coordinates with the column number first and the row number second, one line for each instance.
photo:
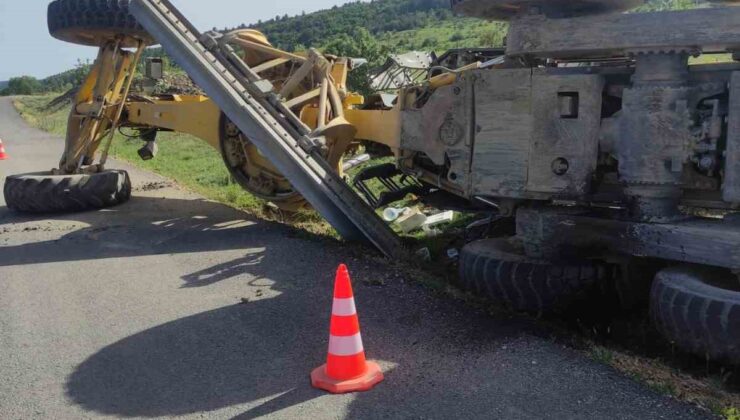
column 257, row 111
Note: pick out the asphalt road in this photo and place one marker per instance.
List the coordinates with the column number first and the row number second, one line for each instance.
column 136, row 312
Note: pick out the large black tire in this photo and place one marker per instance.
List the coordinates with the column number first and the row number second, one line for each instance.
column 496, row 269
column 698, row 309
column 45, row 193
column 93, row 22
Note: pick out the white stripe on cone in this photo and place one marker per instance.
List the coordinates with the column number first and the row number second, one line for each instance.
column 344, row 307
column 345, row 346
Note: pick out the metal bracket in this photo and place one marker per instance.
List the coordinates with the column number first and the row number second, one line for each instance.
column 309, row 144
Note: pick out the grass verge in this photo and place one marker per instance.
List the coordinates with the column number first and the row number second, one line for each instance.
column 710, row 391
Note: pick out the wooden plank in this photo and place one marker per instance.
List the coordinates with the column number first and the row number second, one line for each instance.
column 710, row 30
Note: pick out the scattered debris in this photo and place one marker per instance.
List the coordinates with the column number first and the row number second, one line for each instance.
column 402, row 70
column 153, row 186
column 435, row 220
column 392, row 214
column 453, row 253
column 431, row 232
column 355, row 162
column 411, row 220
column 439, row 219
column 425, row 254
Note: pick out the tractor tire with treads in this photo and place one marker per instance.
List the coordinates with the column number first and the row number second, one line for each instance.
column 496, row 269
column 94, row 22
column 45, row 193
column 698, row 309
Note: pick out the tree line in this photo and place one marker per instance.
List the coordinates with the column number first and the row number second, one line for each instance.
column 376, row 17
column 349, row 30
column 62, row 82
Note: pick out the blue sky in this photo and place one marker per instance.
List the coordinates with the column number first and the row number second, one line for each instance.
column 27, row 48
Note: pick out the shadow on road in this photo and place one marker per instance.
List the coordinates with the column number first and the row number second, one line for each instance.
column 221, row 272
column 209, row 361
column 261, row 352
column 229, row 356
column 144, row 226
column 442, row 360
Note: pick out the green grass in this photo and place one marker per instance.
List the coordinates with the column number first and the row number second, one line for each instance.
column 34, row 110
column 732, row 413
column 602, row 355
column 711, row 59
column 455, row 33
column 193, row 163
column 652, row 373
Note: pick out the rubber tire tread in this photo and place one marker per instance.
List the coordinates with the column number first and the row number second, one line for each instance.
column 45, row 193
column 698, row 314
column 494, row 269
column 81, row 21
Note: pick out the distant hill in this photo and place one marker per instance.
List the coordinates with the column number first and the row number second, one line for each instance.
column 3, row 85
column 378, row 17
column 401, row 25
column 373, row 28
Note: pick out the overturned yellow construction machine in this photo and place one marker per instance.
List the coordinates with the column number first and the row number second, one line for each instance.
column 591, row 132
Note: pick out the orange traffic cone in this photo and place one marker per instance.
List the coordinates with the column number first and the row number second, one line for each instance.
column 346, row 369
column 3, row 155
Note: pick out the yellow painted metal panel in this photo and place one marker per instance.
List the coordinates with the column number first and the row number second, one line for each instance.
column 196, row 115
column 373, row 125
